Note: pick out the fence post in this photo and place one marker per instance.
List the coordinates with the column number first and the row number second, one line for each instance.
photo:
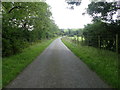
column 78, row 39
column 88, row 40
column 117, row 58
column 98, row 41
column 82, row 38
column 116, row 43
column 74, row 38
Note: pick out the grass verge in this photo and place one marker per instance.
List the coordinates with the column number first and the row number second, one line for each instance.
column 13, row 65
column 103, row 62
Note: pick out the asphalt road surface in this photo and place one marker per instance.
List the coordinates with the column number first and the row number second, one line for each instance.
column 57, row 67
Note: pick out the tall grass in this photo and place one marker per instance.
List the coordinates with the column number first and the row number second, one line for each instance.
column 103, row 62
column 13, row 65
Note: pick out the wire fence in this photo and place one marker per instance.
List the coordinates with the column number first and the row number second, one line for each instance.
column 105, row 42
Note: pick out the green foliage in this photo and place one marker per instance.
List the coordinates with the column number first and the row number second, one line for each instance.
column 25, row 22
column 72, row 32
column 104, row 27
column 92, row 32
column 102, row 10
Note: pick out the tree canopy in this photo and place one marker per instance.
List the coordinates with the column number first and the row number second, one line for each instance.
column 106, row 25
column 103, row 10
column 25, row 22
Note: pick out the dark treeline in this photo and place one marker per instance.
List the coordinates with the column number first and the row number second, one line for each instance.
column 105, row 28
column 24, row 23
column 71, row 32
column 104, row 32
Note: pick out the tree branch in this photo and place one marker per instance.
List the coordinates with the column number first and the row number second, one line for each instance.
column 14, row 8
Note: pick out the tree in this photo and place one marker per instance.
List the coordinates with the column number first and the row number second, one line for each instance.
column 103, row 25
column 102, row 10
column 24, row 23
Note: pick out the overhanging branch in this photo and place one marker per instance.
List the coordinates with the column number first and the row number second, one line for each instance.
column 14, row 8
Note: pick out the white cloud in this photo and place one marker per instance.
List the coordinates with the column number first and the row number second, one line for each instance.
column 66, row 18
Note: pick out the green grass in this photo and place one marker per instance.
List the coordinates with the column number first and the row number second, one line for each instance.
column 103, row 62
column 13, row 65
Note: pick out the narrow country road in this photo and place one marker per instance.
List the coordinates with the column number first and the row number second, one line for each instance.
column 57, row 67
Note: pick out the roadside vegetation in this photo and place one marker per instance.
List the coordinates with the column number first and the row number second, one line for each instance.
column 27, row 29
column 103, row 62
column 13, row 65
column 98, row 43
column 24, row 23
column 104, row 31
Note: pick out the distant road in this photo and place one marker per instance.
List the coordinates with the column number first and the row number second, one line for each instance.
column 57, row 67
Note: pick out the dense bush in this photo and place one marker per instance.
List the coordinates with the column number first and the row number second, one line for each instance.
column 24, row 23
column 99, row 32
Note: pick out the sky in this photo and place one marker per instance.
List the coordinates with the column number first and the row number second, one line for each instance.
column 66, row 18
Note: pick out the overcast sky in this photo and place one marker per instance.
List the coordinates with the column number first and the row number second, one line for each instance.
column 66, row 18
